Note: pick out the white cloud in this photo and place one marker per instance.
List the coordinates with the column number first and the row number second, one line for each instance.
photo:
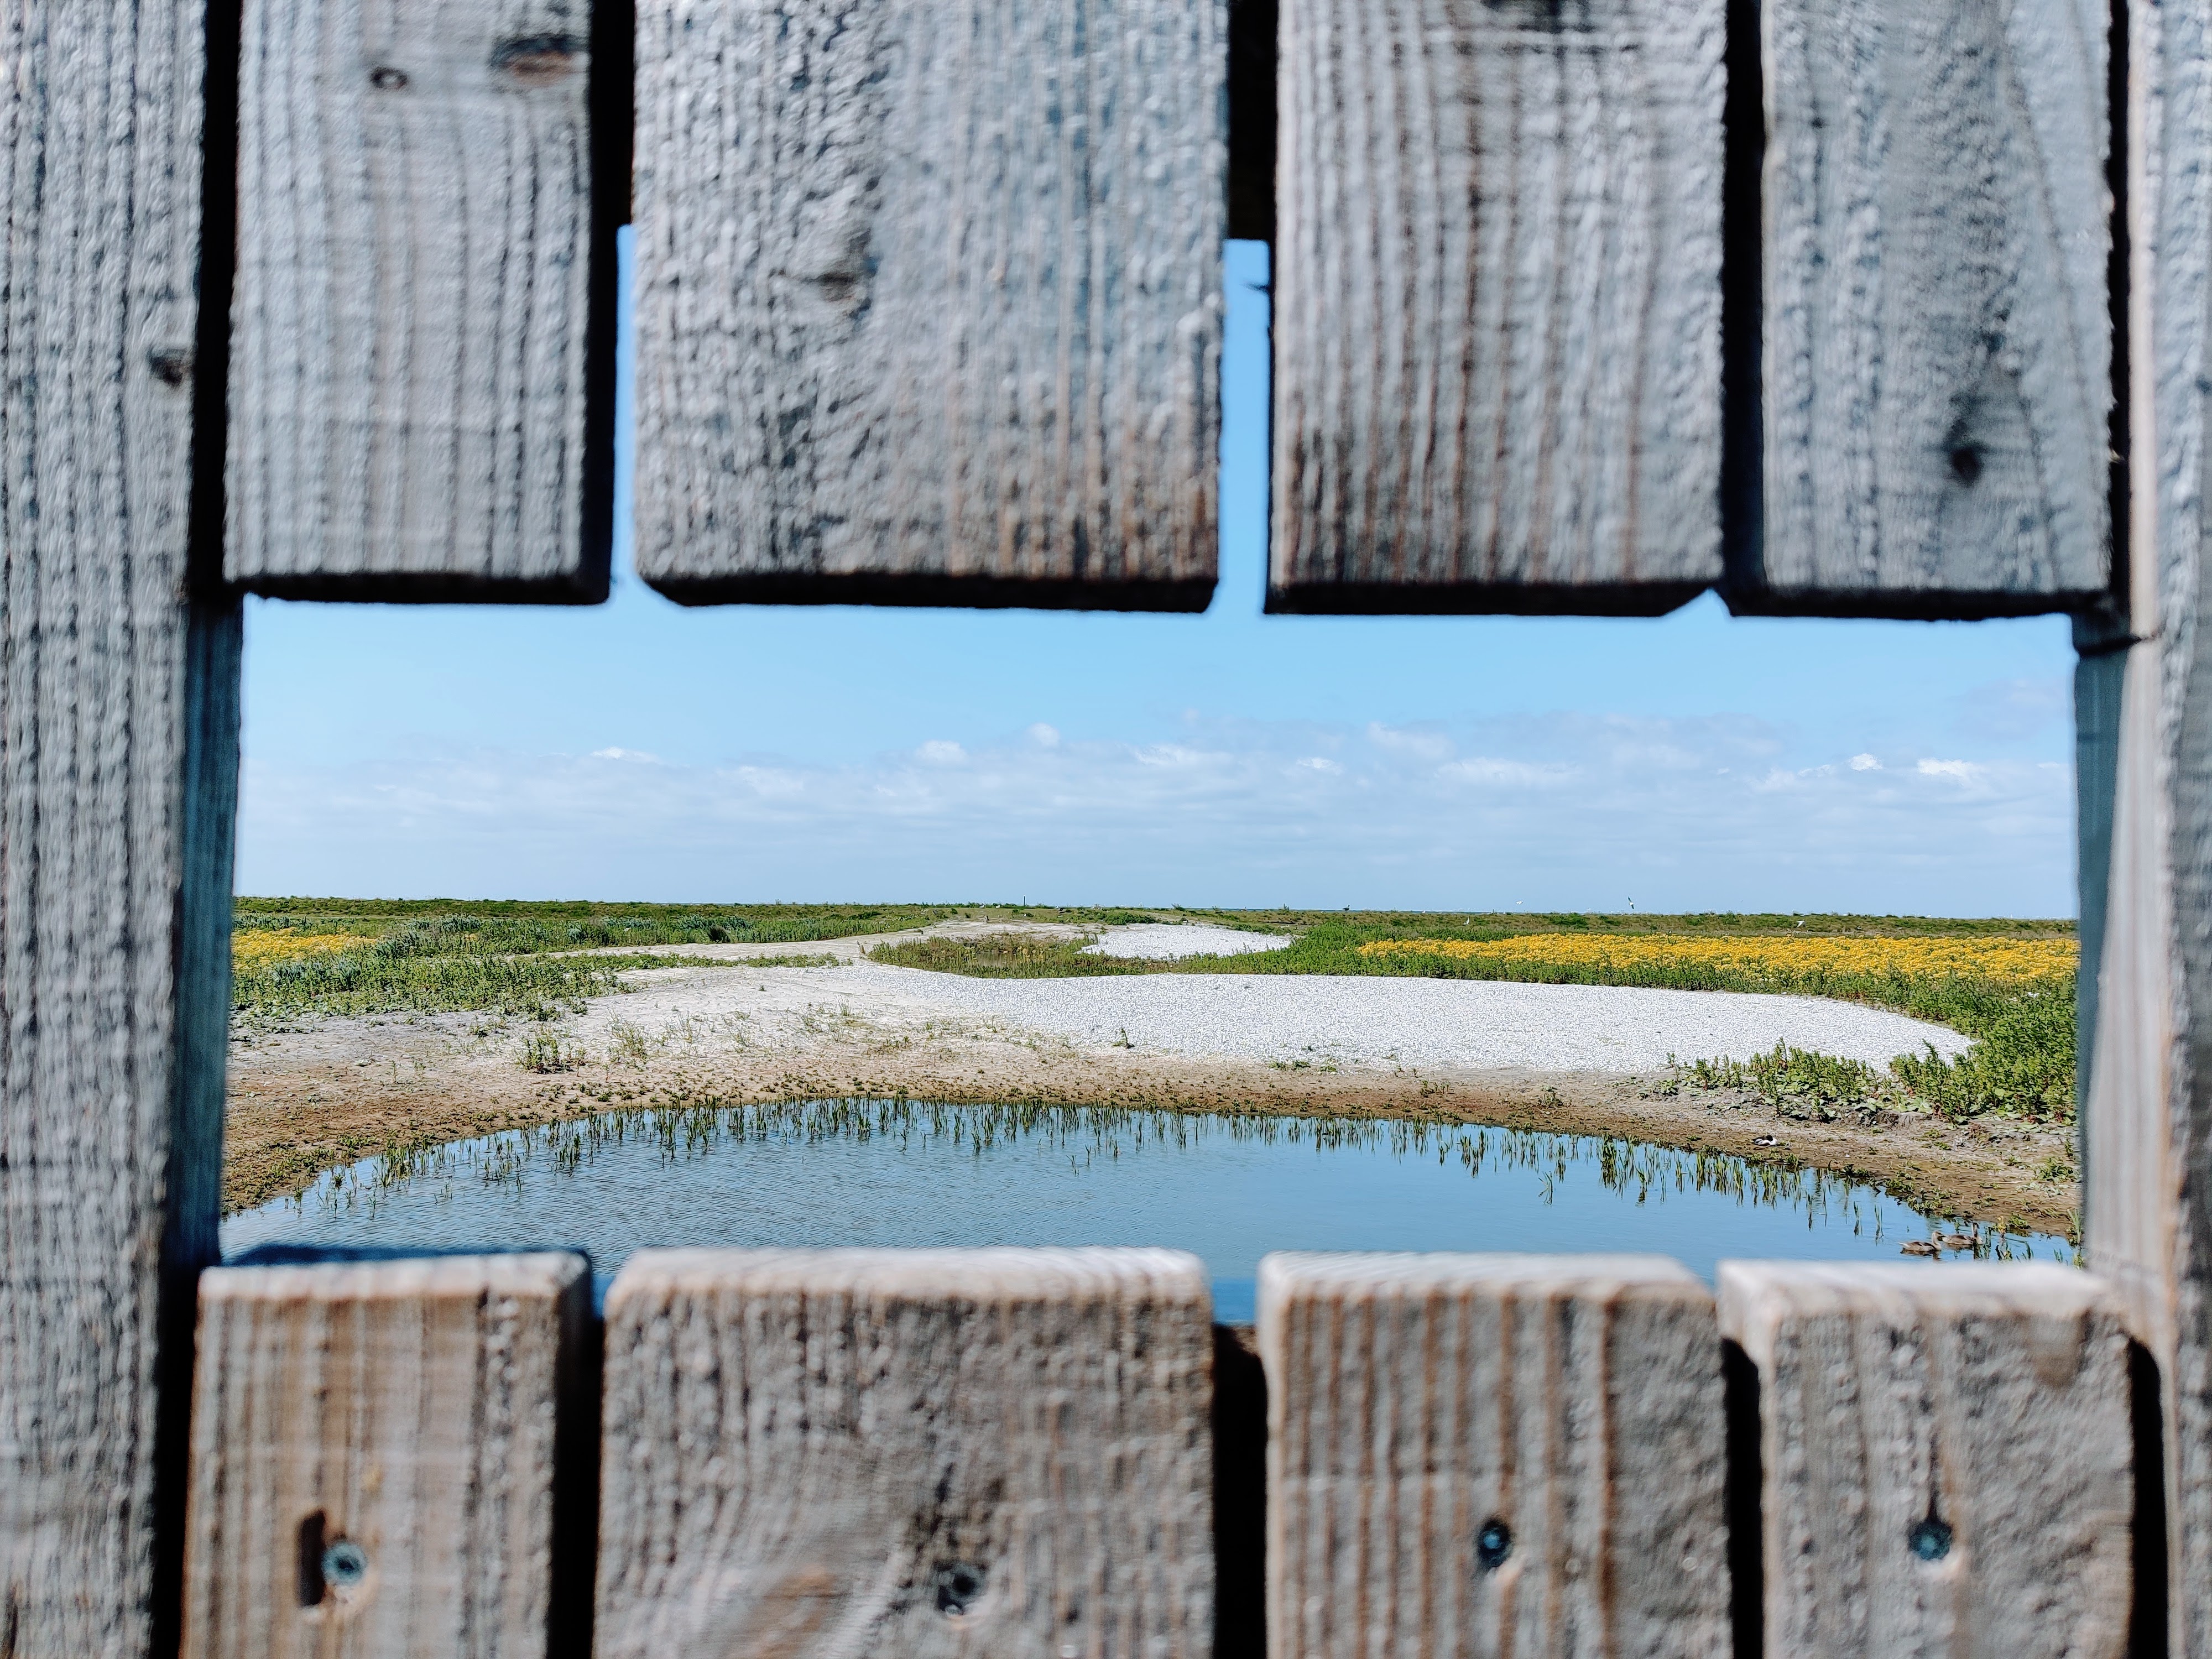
column 1865, row 763
column 625, row 754
column 1045, row 737
column 1558, row 811
column 1405, row 740
column 1506, row 774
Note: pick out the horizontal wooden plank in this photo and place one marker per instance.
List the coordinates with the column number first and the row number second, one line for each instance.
column 1489, row 1454
column 907, row 1453
column 421, row 357
column 1937, row 355
column 1944, row 1456
column 929, row 305
column 1498, row 292
column 374, row 1455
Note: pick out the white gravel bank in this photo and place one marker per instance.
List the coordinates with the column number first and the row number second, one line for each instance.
column 1159, row 941
column 1374, row 1023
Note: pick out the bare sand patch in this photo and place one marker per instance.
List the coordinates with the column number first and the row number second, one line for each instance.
column 308, row 1097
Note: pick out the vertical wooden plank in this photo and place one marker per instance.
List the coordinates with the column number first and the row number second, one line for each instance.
column 2146, row 1206
column 1492, row 1454
column 1945, row 1453
column 421, row 405
column 118, row 760
column 907, row 1453
column 1497, row 306
column 929, row 301
column 1937, row 353
column 373, row 1454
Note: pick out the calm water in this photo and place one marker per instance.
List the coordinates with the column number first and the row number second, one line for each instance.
column 1228, row 1189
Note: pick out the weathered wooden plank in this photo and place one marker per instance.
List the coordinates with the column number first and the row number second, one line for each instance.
column 929, row 305
column 2146, row 1117
column 1945, row 1456
column 908, row 1453
column 118, row 765
column 1497, row 306
column 422, row 400
column 1937, row 353
column 2148, row 1110
column 374, row 1455
column 1492, row 1454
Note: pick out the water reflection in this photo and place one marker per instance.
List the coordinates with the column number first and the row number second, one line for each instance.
column 1229, row 1187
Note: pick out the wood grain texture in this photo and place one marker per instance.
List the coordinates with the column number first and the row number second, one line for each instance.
column 118, row 767
column 1415, row 1401
column 422, row 383
column 2147, row 1119
column 1945, row 1454
column 1498, row 300
column 907, row 1453
column 1938, row 351
column 929, row 300
column 406, row 1410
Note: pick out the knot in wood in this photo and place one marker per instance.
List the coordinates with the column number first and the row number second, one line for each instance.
column 538, row 60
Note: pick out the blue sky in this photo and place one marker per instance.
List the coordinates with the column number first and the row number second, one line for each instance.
column 641, row 750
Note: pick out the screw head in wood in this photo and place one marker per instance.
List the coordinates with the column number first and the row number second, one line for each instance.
column 1929, row 1540
column 959, row 1586
column 345, row 1563
column 1492, row 1545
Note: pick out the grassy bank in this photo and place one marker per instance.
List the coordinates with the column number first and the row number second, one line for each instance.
column 293, row 956
column 2006, row 984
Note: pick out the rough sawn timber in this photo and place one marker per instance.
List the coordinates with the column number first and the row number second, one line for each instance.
column 406, row 1410
column 929, row 305
column 1937, row 349
column 1944, row 1456
column 930, row 1455
column 118, row 769
column 422, row 392
column 1498, row 305
column 2146, row 1117
column 1574, row 1403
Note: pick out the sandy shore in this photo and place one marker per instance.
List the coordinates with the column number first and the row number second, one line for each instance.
column 1575, row 1059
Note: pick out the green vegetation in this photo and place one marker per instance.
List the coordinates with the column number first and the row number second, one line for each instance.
column 520, row 927
column 2021, row 1019
column 297, row 956
column 294, row 956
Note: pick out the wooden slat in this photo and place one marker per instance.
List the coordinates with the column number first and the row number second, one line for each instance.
column 374, row 1455
column 929, row 305
column 910, row 1453
column 2146, row 1117
column 1937, row 353
column 421, row 395
column 1489, row 1454
column 1497, row 306
column 117, row 766
column 1944, row 1456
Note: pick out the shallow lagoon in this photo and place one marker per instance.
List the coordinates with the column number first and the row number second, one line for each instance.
column 1228, row 1189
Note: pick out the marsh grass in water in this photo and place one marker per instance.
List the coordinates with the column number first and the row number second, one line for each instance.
column 649, row 1151
column 1636, row 1171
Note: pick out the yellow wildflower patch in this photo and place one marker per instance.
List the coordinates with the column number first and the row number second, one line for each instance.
column 2002, row 961
column 259, row 947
